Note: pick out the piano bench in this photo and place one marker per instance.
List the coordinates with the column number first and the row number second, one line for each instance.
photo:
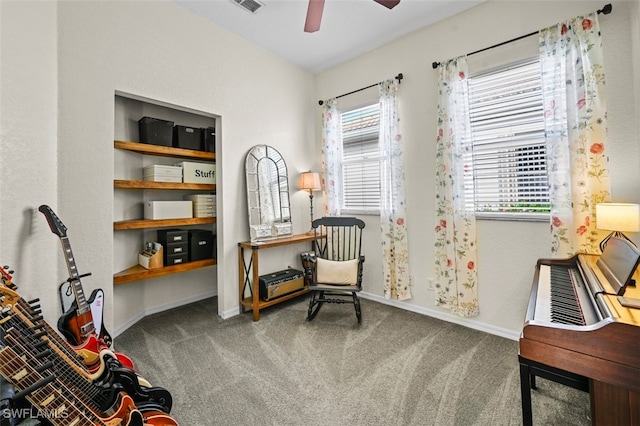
column 528, row 372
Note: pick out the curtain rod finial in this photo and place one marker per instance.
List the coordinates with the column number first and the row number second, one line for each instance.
column 435, row 65
column 399, row 77
column 606, row 9
column 320, row 102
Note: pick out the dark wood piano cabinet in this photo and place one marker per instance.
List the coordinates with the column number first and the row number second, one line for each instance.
column 606, row 355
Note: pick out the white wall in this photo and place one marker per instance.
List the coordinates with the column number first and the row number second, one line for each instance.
column 61, row 64
column 28, row 148
column 507, row 250
column 152, row 49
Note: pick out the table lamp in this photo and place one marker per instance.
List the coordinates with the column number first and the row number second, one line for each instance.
column 310, row 181
column 617, row 217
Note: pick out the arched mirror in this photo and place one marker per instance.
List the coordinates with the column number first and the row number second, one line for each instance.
column 267, row 194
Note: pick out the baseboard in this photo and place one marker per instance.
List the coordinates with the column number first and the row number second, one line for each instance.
column 160, row 308
column 439, row 314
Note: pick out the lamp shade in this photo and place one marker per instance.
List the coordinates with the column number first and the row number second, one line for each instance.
column 618, row 217
column 309, row 181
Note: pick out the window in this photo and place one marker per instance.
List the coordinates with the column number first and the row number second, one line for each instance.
column 509, row 151
column 361, row 160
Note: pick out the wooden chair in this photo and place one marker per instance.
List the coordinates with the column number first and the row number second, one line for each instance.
column 334, row 269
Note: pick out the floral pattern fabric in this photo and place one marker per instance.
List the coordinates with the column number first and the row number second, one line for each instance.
column 456, row 286
column 395, row 251
column 575, row 114
column 331, row 158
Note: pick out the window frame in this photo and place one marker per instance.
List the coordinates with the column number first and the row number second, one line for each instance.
column 362, row 209
column 472, row 184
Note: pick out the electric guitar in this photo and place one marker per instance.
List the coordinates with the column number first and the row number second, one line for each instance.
column 89, row 351
column 77, row 324
column 25, row 330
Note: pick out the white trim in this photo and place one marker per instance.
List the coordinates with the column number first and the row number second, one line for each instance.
column 442, row 315
column 160, row 308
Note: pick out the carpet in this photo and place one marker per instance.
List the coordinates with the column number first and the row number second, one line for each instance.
column 397, row 368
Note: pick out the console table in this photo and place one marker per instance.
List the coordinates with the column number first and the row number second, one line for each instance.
column 248, row 272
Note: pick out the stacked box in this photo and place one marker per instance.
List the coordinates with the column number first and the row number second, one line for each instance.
column 176, row 245
column 202, row 244
column 193, row 172
column 204, row 205
column 159, row 173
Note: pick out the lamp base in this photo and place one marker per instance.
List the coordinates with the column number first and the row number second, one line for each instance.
column 616, row 234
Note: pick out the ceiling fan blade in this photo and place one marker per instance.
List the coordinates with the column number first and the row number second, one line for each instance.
column 314, row 16
column 389, row 4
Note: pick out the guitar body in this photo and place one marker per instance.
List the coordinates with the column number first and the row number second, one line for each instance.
column 96, row 302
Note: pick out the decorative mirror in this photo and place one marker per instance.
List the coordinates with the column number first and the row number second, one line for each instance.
column 267, row 194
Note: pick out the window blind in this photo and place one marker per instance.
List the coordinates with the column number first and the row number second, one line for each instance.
column 360, row 155
column 507, row 130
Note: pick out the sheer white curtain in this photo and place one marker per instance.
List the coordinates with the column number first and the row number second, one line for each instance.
column 456, row 286
column 576, row 127
column 395, row 253
column 331, row 157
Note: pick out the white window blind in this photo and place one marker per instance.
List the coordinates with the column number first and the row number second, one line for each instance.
column 361, row 159
column 509, row 151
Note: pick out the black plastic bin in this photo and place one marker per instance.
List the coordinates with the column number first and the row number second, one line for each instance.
column 187, row 137
column 209, row 139
column 155, row 131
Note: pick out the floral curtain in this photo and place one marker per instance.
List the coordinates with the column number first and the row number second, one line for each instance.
column 331, row 158
column 576, row 126
column 395, row 253
column 456, row 286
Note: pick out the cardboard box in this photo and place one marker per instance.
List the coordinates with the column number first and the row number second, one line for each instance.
column 193, row 172
column 168, row 210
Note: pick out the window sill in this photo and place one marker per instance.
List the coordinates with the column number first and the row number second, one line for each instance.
column 516, row 217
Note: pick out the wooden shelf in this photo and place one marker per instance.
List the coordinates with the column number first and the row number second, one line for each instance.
column 160, row 223
column 248, row 301
column 294, row 239
column 136, row 273
column 143, row 184
column 164, row 151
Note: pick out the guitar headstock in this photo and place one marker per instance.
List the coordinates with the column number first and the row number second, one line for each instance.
column 5, row 277
column 56, row 225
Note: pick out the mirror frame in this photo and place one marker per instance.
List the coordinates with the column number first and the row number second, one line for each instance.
column 268, row 199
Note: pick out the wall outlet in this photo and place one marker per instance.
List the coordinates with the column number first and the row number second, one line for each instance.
column 430, row 285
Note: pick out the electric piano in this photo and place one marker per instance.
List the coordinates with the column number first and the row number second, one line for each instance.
column 583, row 330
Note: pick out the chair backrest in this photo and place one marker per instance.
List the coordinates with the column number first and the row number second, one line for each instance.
column 341, row 237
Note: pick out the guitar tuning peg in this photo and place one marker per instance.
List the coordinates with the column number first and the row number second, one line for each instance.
column 30, row 302
column 11, row 271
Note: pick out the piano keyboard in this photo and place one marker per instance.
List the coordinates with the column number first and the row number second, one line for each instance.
column 562, row 297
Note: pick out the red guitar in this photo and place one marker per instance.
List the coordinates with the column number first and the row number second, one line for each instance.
column 76, row 324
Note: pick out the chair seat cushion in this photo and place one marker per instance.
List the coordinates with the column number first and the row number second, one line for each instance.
column 341, row 272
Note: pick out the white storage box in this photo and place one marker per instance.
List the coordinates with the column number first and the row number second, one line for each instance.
column 161, row 173
column 201, row 198
column 208, row 213
column 197, row 172
column 200, row 210
column 163, row 178
column 168, row 210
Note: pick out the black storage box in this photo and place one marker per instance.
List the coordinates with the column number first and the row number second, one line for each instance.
column 280, row 283
column 175, row 259
column 187, row 137
column 209, row 139
column 155, row 131
column 202, row 245
column 176, row 248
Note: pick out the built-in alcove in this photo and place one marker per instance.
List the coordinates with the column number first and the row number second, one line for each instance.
column 136, row 292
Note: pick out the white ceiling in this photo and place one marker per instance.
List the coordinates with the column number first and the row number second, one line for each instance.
column 349, row 27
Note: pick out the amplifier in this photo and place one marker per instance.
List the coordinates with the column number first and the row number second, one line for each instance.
column 280, row 283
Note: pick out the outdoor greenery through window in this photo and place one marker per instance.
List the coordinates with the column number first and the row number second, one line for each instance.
column 361, row 160
column 509, row 151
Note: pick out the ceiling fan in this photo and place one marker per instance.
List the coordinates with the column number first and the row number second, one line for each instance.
column 314, row 13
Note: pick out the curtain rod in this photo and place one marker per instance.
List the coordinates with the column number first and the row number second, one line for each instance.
column 398, row 77
column 605, row 10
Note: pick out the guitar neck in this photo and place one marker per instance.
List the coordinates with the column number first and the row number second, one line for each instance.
column 76, row 285
column 44, row 392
